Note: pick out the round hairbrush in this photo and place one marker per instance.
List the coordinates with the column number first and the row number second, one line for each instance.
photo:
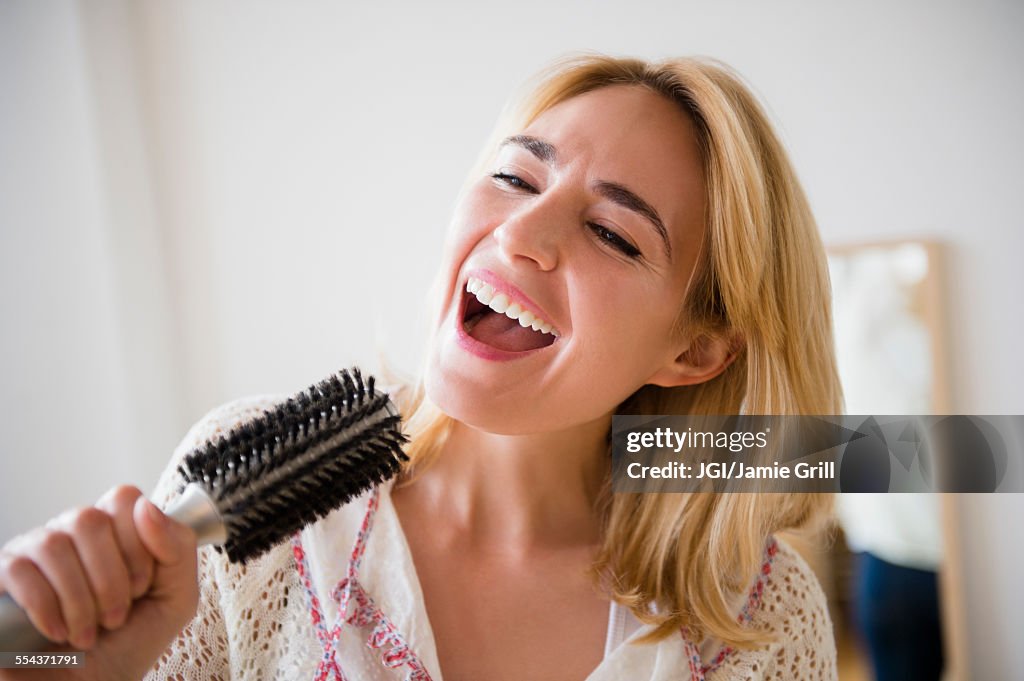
column 269, row 477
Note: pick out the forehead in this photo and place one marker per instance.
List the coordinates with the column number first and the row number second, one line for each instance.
column 633, row 136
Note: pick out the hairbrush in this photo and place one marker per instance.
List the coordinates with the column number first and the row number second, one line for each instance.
column 269, row 477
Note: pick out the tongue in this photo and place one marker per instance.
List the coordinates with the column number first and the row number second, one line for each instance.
column 506, row 334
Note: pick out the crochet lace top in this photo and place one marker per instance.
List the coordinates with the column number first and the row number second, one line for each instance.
column 341, row 602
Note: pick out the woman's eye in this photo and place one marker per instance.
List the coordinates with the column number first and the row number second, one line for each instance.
column 513, row 181
column 607, row 236
column 614, row 240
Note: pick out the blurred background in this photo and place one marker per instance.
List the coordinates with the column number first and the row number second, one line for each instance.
column 201, row 200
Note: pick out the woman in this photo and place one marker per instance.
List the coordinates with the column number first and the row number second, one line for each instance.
column 633, row 241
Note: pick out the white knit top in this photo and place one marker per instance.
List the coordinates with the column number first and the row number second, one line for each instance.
column 341, row 601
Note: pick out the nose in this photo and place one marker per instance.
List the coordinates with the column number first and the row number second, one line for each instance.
column 534, row 233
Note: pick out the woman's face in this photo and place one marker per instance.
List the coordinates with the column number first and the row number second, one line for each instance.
column 590, row 219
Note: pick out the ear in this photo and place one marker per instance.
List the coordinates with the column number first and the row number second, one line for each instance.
column 705, row 357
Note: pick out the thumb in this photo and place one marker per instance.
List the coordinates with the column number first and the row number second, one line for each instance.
column 173, row 546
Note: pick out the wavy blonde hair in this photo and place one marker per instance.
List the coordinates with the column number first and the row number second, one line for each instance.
column 679, row 560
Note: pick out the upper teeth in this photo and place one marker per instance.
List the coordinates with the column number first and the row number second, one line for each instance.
column 499, row 302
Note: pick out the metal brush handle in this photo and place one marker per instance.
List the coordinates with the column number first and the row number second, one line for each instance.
column 17, row 635
column 193, row 508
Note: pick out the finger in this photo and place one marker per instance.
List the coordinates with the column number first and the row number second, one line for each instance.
column 120, row 504
column 168, row 541
column 173, row 546
column 92, row 532
column 58, row 561
column 20, row 577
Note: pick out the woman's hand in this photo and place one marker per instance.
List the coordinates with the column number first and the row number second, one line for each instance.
column 117, row 580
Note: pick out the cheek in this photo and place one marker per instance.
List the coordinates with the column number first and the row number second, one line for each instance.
column 465, row 231
column 473, row 220
column 626, row 336
column 623, row 317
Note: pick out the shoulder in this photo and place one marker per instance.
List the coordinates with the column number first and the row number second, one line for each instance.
column 794, row 606
column 787, row 601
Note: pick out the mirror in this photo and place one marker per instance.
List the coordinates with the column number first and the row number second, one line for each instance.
column 888, row 331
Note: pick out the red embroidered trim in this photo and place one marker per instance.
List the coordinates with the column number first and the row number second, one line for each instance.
column 384, row 634
column 328, row 667
column 365, row 613
column 698, row 670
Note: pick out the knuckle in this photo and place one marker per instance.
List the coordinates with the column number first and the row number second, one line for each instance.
column 54, row 544
column 125, row 495
column 16, row 566
column 89, row 521
column 15, row 570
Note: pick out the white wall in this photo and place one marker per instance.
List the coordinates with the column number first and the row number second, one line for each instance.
column 200, row 200
column 84, row 362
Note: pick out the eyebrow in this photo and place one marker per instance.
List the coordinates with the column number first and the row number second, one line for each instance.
column 538, row 147
column 614, row 192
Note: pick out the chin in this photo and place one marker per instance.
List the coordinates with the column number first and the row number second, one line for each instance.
column 476, row 406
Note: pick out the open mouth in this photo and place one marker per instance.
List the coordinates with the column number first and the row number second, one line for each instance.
column 492, row 319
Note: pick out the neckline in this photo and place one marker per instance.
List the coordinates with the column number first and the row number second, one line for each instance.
column 371, row 527
column 618, row 618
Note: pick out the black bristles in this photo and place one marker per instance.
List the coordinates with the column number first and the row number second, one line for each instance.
column 299, row 461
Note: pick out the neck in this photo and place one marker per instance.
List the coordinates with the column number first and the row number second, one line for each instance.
column 517, row 493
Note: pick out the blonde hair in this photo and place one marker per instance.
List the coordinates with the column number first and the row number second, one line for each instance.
column 680, row 560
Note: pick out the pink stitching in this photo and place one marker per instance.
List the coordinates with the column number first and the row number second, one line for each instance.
column 746, row 615
column 328, row 667
column 693, row 658
column 383, row 635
